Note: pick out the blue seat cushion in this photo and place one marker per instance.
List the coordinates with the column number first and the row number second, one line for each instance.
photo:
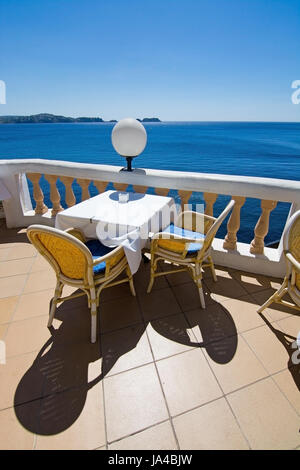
column 182, row 232
column 98, row 250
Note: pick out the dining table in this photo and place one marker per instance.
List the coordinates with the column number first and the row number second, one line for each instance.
column 121, row 218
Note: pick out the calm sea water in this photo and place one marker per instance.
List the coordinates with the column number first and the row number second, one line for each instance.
column 251, row 149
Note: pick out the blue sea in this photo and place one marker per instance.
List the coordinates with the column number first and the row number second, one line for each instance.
column 237, row 148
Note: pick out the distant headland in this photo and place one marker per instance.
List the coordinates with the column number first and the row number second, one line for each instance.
column 46, row 118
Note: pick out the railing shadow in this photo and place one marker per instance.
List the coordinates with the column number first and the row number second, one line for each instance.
column 52, row 393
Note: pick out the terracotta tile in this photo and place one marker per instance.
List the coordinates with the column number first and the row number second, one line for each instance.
column 34, row 304
column 211, row 324
column 244, row 313
column 73, row 420
column 142, row 277
column 176, row 278
column 267, row 423
column 26, row 336
column 12, row 286
column 160, row 437
column 289, row 383
column 7, row 307
column 133, row 401
column 4, row 252
column 225, row 288
column 221, row 272
column 13, row 434
column 187, row 296
column 234, row 369
column 21, row 250
column 209, row 427
column 125, row 349
column 170, row 335
column 40, row 280
column 14, row 267
column 268, row 347
column 187, row 381
column 119, row 313
column 115, row 292
column 3, row 330
column 159, row 303
column 17, row 385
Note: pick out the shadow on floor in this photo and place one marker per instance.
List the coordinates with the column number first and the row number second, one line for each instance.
column 52, row 393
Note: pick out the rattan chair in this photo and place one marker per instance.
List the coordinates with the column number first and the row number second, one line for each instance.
column 86, row 265
column 184, row 245
column 291, row 282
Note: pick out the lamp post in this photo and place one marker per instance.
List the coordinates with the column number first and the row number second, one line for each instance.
column 129, row 139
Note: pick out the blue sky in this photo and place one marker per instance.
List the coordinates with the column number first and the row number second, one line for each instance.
column 175, row 59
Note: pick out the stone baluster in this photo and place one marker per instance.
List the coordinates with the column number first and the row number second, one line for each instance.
column 84, row 184
column 162, row 191
column 54, row 194
column 120, row 186
column 69, row 197
column 210, row 199
column 262, row 227
column 100, row 185
column 233, row 224
column 184, row 196
column 38, row 195
column 140, row 189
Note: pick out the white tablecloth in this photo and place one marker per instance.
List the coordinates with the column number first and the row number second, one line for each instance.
column 116, row 223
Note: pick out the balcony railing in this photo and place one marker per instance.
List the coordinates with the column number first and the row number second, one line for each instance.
column 253, row 257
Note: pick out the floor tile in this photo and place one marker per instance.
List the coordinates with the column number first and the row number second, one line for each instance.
column 39, row 264
column 212, row 324
column 289, row 383
column 12, row 286
column 34, row 304
column 265, row 416
column 119, row 313
column 210, row 427
column 236, row 370
column 82, row 417
column 15, row 267
column 159, row 437
column 244, row 313
column 13, row 435
column 187, row 296
column 187, row 381
column 21, row 250
column 125, row 349
column 225, row 288
column 170, row 335
column 275, row 311
column 159, row 303
column 133, row 402
column 255, row 283
column 16, row 387
column 40, row 280
column 291, row 325
column 7, row 308
column 269, row 345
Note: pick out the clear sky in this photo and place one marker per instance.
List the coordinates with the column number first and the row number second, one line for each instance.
column 176, row 59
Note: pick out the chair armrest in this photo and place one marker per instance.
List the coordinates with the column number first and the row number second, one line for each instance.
column 77, row 233
column 174, row 236
column 293, row 261
column 195, row 221
column 116, row 252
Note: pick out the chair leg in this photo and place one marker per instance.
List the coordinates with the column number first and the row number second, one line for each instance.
column 152, row 274
column 130, row 279
column 198, row 281
column 212, row 267
column 93, row 315
column 275, row 297
column 53, row 303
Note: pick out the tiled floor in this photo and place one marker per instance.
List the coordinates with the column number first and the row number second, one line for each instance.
column 164, row 374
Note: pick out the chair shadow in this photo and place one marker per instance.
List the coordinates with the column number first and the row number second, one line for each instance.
column 52, row 393
column 289, row 342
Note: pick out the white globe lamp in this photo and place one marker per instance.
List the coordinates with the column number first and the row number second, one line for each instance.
column 129, row 139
